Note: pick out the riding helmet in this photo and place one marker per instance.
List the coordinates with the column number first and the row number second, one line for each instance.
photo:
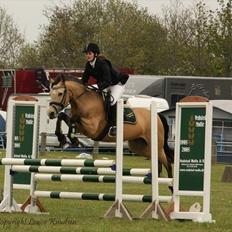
column 92, row 47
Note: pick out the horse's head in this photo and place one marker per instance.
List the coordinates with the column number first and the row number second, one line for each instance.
column 59, row 97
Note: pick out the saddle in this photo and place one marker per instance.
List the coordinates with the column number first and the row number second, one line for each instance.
column 128, row 116
column 110, row 129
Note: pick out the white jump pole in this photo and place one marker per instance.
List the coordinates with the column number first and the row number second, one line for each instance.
column 154, row 159
column 118, row 209
column 154, row 210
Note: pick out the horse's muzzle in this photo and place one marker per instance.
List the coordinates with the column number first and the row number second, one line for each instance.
column 52, row 115
column 52, row 112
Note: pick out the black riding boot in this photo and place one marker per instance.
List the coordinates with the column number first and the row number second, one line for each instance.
column 112, row 119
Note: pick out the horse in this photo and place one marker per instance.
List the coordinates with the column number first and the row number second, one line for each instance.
column 88, row 113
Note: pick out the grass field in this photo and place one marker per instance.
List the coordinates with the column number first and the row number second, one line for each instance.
column 77, row 215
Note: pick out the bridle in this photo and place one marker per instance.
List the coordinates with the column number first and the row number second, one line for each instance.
column 61, row 104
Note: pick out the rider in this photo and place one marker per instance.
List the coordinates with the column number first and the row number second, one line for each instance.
column 107, row 78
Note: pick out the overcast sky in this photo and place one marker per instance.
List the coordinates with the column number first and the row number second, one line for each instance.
column 28, row 14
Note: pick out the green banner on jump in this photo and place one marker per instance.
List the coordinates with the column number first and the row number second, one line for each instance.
column 23, row 138
column 192, row 149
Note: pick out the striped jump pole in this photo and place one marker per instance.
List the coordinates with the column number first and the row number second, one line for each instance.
column 58, row 162
column 99, row 178
column 95, row 196
column 79, row 170
column 92, row 178
column 63, row 170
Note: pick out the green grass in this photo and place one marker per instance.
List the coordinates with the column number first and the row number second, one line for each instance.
column 77, row 215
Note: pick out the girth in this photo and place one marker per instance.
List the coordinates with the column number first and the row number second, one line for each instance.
column 103, row 133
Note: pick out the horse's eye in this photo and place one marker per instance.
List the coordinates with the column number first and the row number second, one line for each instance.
column 60, row 94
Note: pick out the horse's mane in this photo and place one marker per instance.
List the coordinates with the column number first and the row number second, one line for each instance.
column 67, row 77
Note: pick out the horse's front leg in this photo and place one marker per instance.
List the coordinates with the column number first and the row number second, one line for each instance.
column 58, row 131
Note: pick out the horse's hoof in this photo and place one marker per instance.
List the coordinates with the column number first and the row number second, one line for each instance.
column 112, row 131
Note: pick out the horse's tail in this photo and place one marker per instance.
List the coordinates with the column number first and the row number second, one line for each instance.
column 168, row 151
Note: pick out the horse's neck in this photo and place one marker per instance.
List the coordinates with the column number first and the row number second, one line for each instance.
column 85, row 101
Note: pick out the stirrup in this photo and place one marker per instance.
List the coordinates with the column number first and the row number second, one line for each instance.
column 113, row 131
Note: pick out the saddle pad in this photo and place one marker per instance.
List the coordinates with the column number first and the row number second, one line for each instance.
column 129, row 116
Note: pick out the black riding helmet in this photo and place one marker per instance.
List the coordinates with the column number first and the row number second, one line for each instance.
column 92, row 47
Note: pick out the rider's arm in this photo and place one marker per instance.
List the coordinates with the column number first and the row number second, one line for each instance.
column 106, row 78
column 85, row 75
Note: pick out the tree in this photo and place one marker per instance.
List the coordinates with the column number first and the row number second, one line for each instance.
column 200, row 40
column 11, row 41
column 221, row 39
column 29, row 56
column 178, row 23
column 129, row 36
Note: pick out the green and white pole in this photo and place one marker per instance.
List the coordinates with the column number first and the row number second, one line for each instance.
column 58, row 162
column 96, row 196
column 91, row 178
column 80, row 170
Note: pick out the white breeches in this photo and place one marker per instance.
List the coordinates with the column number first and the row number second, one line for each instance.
column 116, row 92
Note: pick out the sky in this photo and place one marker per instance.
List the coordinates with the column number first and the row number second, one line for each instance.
column 28, row 14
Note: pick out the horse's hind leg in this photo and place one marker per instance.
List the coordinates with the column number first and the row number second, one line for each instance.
column 167, row 164
column 139, row 146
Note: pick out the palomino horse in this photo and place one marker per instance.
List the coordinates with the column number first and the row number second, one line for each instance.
column 88, row 112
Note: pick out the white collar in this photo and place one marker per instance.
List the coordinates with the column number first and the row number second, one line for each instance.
column 92, row 63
